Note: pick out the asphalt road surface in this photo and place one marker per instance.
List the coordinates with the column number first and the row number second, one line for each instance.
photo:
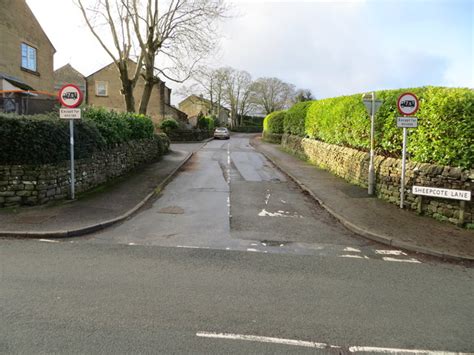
column 231, row 258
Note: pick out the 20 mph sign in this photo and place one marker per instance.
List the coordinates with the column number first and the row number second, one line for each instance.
column 408, row 104
column 70, row 96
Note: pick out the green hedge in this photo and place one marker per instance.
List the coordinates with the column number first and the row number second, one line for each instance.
column 445, row 133
column 294, row 121
column 247, row 129
column 44, row 139
column 273, row 123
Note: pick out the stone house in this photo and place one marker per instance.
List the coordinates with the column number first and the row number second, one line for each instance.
column 104, row 86
column 68, row 75
column 26, row 57
column 193, row 105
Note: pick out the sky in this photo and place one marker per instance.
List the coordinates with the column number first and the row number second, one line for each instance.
column 331, row 47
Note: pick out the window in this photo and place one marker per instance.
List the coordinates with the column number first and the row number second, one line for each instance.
column 101, row 88
column 28, row 57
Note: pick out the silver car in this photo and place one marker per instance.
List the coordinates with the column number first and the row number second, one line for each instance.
column 221, row 132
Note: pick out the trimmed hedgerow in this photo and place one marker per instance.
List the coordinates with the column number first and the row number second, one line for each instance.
column 445, row 133
column 44, row 139
column 294, row 121
column 273, row 123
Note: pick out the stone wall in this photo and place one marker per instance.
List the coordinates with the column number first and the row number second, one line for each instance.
column 38, row 184
column 353, row 165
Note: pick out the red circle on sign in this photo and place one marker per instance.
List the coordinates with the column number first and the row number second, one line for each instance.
column 403, row 108
column 76, row 102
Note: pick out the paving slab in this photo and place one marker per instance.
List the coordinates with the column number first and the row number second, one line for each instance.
column 371, row 217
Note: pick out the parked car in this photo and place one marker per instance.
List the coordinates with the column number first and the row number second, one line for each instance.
column 221, row 132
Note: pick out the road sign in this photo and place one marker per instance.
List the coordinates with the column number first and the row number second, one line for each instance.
column 70, row 113
column 442, row 193
column 70, row 96
column 368, row 106
column 407, row 122
column 407, row 104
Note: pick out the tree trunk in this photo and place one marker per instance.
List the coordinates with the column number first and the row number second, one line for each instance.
column 127, row 90
column 146, row 96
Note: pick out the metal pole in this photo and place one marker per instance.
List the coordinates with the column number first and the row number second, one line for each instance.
column 402, row 183
column 71, row 140
column 371, row 162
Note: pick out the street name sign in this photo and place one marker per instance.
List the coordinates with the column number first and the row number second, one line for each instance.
column 442, row 193
column 70, row 96
column 408, row 104
column 407, row 122
column 70, row 113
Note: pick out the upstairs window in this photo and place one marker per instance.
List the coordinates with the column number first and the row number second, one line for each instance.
column 28, row 57
column 101, row 88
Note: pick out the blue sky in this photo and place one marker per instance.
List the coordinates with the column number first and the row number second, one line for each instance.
column 331, row 47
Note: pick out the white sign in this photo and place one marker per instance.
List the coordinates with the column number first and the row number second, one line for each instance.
column 407, row 104
column 442, row 193
column 368, row 105
column 407, row 122
column 70, row 113
column 70, row 96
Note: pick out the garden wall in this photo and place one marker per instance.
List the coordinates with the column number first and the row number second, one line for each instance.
column 352, row 165
column 38, row 184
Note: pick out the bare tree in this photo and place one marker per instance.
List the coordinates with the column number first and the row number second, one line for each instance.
column 237, row 89
column 302, row 95
column 115, row 17
column 272, row 94
column 177, row 32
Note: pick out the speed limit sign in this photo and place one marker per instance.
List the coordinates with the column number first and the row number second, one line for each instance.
column 70, row 96
column 408, row 104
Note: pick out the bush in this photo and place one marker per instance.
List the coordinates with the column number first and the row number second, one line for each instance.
column 141, row 126
column 294, row 121
column 205, row 122
column 273, row 123
column 164, row 142
column 247, row 129
column 43, row 139
column 445, row 126
column 113, row 126
column 169, row 124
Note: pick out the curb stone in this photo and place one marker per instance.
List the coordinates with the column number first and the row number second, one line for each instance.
column 362, row 231
column 101, row 225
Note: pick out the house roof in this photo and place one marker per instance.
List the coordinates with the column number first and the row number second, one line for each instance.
column 37, row 22
column 194, row 98
column 16, row 82
column 68, row 66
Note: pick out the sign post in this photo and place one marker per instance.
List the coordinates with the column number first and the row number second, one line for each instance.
column 70, row 96
column 407, row 105
column 372, row 107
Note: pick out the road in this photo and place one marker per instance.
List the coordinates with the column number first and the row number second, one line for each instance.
column 230, row 246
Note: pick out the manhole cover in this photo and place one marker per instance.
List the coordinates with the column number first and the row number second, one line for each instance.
column 171, row 210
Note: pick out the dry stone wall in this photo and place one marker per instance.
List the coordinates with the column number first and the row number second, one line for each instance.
column 352, row 165
column 38, row 184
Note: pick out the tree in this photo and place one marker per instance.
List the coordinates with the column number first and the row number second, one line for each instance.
column 303, row 95
column 236, row 91
column 271, row 94
column 117, row 20
column 177, row 32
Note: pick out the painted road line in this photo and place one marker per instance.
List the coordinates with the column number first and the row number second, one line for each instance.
column 191, row 247
column 308, row 344
column 352, row 249
column 49, row 241
column 411, row 260
column 351, row 256
column 318, row 345
column 390, row 252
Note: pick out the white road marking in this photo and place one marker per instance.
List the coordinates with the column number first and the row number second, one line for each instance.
column 131, row 244
column 265, row 213
column 191, row 247
column 317, row 345
column 351, row 256
column 390, row 252
column 411, row 260
column 49, row 241
column 308, row 344
column 352, row 249
column 283, row 201
column 252, row 249
column 267, row 198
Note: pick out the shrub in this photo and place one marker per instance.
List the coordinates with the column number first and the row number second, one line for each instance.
column 273, row 123
column 113, row 126
column 294, row 121
column 141, row 126
column 169, row 124
column 43, row 139
column 205, row 122
column 164, row 142
column 445, row 126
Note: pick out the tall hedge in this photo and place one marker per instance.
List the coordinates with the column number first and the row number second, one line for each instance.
column 294, row 121
column 273, row 122
column 44, row 139
column 445, row 133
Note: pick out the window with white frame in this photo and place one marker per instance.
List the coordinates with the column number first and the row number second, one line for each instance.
column 101, row 88
column 28, row 57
